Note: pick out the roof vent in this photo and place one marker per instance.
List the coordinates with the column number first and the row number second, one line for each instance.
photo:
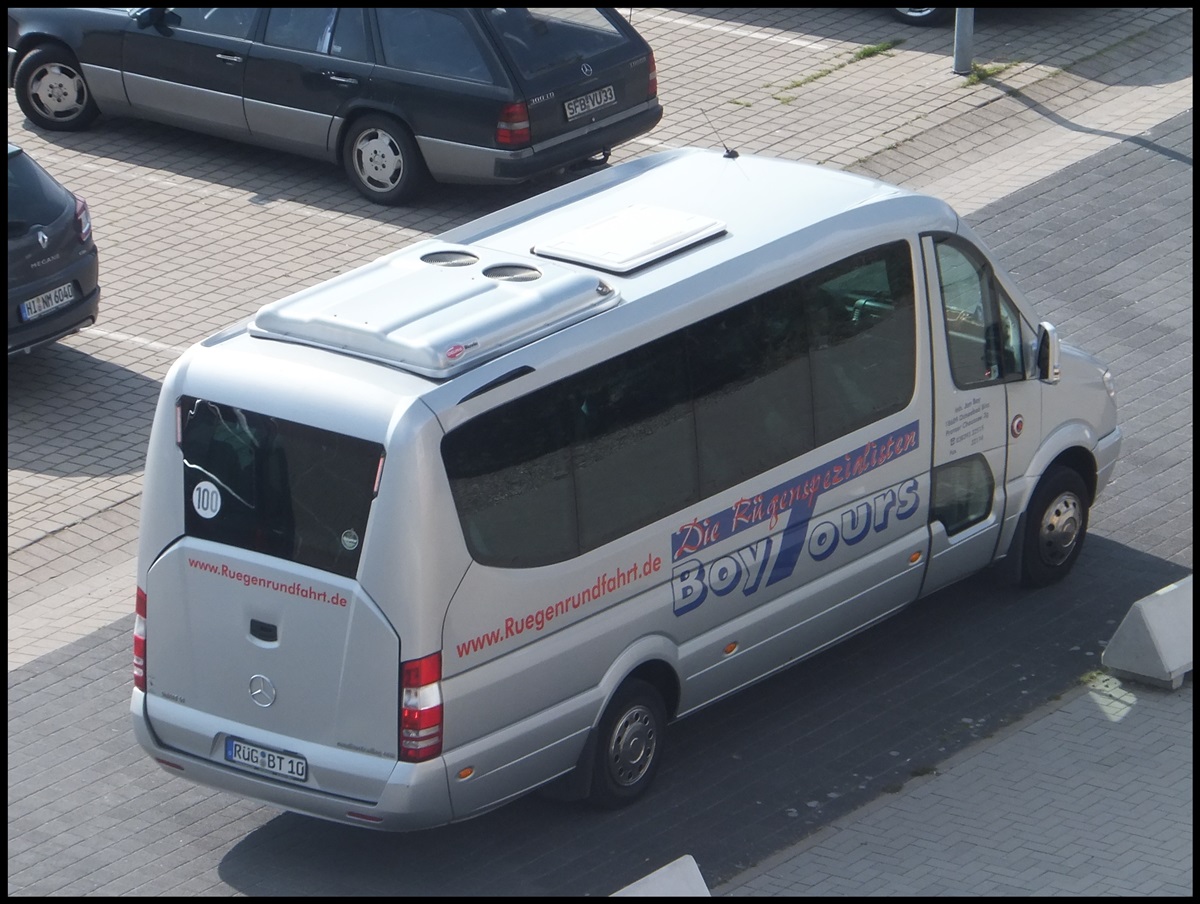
column 513, row 273
column 450, row 258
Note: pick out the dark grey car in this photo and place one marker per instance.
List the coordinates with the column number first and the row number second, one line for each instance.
column 53, row 269
column 469, row 95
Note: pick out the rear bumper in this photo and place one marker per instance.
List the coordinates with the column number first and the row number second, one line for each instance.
column 467, row 164
column 81, row 313
column 416, row 795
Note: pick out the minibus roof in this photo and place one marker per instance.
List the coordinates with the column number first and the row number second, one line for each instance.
column 447, row 304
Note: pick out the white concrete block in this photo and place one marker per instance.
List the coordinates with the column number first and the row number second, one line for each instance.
column 678, row 879
column 1154, row 641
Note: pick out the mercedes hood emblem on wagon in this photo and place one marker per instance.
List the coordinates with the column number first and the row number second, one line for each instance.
column 262, row 691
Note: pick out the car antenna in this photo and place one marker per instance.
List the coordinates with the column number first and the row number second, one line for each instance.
column 729, row 152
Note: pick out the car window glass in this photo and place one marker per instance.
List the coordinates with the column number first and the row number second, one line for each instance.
column 431, row 41
column 229, row 21
column 350, row 36
column 982, row 330
column 539, row 39
column 34, row 199
column 300, row 28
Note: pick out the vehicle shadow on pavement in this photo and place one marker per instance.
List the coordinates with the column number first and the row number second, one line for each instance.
column 760, row 770
column 74, row 414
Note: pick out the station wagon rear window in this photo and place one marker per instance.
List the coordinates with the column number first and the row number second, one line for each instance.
column 275, row 486
column 541, row 39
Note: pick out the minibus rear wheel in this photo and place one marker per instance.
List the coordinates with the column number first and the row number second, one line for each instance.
column 1055, row 526
column 629, row 745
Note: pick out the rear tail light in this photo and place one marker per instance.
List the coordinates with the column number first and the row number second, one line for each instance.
column 652, row 89
column 139, row 642
column 421, row 708
column 83, row 219
column 512, row 130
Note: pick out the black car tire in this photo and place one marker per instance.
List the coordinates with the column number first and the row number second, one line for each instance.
column 1055, row 527
column 629, row 745
column 933, row 15
column 52, row 91
column 382, row 159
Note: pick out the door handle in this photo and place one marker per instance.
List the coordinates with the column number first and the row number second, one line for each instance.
column 229, row 57
column 340, row 79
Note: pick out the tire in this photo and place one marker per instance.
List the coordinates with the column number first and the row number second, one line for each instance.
column 1055, row 527
column 629, row 745
column 382, row 159
column 936, row 15
column 52, row 91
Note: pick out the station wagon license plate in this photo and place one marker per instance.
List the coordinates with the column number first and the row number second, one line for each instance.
column 48, row 301
column 581, row 106
column 288, row 766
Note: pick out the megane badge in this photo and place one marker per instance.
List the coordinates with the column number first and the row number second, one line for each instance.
column 262, row 691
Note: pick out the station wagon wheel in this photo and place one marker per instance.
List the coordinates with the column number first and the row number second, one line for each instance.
column 1055, row 527
column 52, row 91
column 382, row 160
column 629, row 745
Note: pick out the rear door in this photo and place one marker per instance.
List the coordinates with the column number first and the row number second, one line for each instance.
column 259, row 638
column 312, row 64
column 576, row 66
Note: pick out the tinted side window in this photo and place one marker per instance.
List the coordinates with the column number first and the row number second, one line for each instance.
column 863, row 339
column 983, row 335
column 233, row 22
column 303, row 28
column 431, row 41
column 631, row 440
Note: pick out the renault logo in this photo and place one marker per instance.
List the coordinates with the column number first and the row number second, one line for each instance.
column 43, row 239
column 262, row 691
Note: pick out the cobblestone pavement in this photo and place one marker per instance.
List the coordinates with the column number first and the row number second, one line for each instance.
column 1072, row 156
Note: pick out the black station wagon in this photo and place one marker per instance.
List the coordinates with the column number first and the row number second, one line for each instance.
column 471, row 95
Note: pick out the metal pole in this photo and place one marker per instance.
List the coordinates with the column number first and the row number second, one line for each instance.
column 964, row 36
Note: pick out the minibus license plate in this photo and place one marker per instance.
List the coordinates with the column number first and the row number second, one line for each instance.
column 581, row 106
column 284, row 765
column 48, row 301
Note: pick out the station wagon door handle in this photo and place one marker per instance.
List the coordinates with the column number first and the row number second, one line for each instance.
column 340, row 79
column 229, row 57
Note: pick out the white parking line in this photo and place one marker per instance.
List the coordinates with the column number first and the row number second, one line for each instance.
column 757, row 34
column 136, row 340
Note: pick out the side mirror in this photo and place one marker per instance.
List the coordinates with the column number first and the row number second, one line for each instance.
column 147, row 15
column 1049, row 369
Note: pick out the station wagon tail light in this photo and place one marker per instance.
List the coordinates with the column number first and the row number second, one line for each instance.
column 83, row 219
column 513, row 128
column 652, row 90
column 139, row 641
column 421, row 708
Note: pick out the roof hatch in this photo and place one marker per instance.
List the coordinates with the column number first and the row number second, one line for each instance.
column 630, row 238
column 437, row 309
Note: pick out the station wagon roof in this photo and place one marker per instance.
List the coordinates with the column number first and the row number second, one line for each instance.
column 447, row 304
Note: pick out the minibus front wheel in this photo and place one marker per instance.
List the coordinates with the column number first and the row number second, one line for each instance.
column 629, row 744
column 1055, row 526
